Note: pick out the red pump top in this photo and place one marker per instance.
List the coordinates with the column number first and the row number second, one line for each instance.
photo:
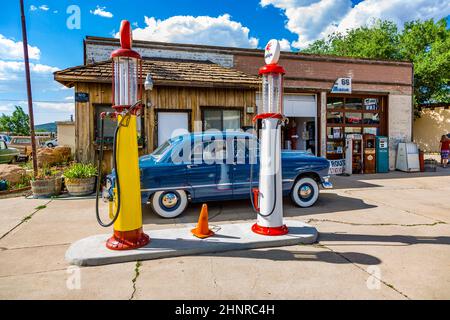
column 126, row 41
column 271, row 68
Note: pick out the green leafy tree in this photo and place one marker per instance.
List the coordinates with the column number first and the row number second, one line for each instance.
column 18, row 123
column 378, row 41
column 425, row 43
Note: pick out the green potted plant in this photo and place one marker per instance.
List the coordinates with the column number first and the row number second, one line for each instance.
column 80, row 178
column 47, row 183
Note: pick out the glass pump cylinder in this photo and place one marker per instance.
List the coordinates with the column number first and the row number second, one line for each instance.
column 272, row 93
column 126, row 71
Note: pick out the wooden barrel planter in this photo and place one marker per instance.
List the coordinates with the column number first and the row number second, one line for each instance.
column 80, row 187
column 46, row 187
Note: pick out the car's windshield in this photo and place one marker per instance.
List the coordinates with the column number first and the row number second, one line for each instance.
column 161, row 149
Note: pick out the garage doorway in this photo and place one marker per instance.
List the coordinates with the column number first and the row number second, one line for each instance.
column 301, row 131
column 170, row 124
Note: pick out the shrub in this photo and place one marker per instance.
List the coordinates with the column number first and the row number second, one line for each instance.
column 80, row 171
column 46, row 172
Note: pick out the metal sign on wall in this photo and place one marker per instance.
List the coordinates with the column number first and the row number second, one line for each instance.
column 336, row 166
column 342, row 85
column 81, row 97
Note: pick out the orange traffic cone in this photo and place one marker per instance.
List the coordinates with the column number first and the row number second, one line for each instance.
column 202, row 229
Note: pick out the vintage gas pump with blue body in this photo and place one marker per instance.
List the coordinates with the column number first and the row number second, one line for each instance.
column 125, row 208
column 270, row 113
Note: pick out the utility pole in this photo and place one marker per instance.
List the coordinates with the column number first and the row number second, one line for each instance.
column 28, row 79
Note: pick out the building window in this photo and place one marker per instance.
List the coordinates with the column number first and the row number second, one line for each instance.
column 352, row 115
column 222, row 119
column 109, row 125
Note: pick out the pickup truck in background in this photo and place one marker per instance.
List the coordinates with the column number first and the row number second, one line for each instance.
column 23, row 144
column 7, row 153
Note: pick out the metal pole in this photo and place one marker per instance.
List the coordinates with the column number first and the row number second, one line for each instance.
column 30, row 98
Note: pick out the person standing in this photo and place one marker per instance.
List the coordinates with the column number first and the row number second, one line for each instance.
column 445, row 150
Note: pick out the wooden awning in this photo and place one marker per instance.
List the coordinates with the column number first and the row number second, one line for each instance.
column 171, row 72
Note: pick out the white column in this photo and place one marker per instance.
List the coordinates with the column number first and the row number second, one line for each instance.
column 270, row 184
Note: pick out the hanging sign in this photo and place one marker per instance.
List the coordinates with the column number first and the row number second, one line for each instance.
column 81, row 97
column 342, row 85
column 272, row 52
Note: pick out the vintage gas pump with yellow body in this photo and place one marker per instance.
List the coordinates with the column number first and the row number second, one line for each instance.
column 125, row 207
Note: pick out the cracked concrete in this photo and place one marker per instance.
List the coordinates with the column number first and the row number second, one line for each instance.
column 136, row 276
column 375, row 224
column 388, row 229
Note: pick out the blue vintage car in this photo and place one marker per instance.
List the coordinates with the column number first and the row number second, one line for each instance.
column 202, row 167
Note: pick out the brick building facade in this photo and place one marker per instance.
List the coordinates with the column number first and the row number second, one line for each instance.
column 380, row 101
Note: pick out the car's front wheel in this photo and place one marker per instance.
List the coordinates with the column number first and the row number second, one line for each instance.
column 169, row 204
column 305, row 192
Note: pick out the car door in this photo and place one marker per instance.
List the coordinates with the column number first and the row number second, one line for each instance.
column 5, row 153
column 246, row 164
column 209, row 177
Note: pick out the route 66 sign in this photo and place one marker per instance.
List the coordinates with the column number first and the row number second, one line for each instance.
column 342, row 85
column 272, row 52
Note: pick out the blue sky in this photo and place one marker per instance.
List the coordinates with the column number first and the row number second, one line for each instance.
column 243, row 23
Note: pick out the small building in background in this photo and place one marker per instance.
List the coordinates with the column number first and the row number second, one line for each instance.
column 66, row 134
column 432, row 123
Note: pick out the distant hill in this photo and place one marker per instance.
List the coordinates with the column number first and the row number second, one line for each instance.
column 48, row 127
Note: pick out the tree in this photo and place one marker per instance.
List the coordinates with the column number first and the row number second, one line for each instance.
column 425, row 43
column 18, row 123
column 378, row 41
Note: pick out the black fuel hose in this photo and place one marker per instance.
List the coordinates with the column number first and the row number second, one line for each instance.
column 99, row 172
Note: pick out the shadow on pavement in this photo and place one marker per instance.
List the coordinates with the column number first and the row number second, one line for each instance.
column 361, row 180
column 237, row 210
column 293, row 255
column 363, row 238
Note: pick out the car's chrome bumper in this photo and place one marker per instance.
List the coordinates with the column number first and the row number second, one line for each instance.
column 326, row 184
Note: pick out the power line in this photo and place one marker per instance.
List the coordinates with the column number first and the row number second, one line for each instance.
column 44, row 101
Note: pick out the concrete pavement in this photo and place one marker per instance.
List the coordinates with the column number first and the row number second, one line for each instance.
column 381, row 237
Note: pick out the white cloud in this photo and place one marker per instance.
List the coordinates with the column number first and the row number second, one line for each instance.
column 12, row 80
column 56, row 106
column 315, row 19
column 69, row 98
column 12, row 70
column 43, row 7
column 100, row 11
column 5, row 108
column 285, row 45
column 309, row 19
column 10, row 49
column 44, row 112
column 221, row 31
column 398, row 11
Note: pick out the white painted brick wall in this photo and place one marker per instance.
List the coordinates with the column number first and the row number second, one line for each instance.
column 400, row 119
column 99, row 52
